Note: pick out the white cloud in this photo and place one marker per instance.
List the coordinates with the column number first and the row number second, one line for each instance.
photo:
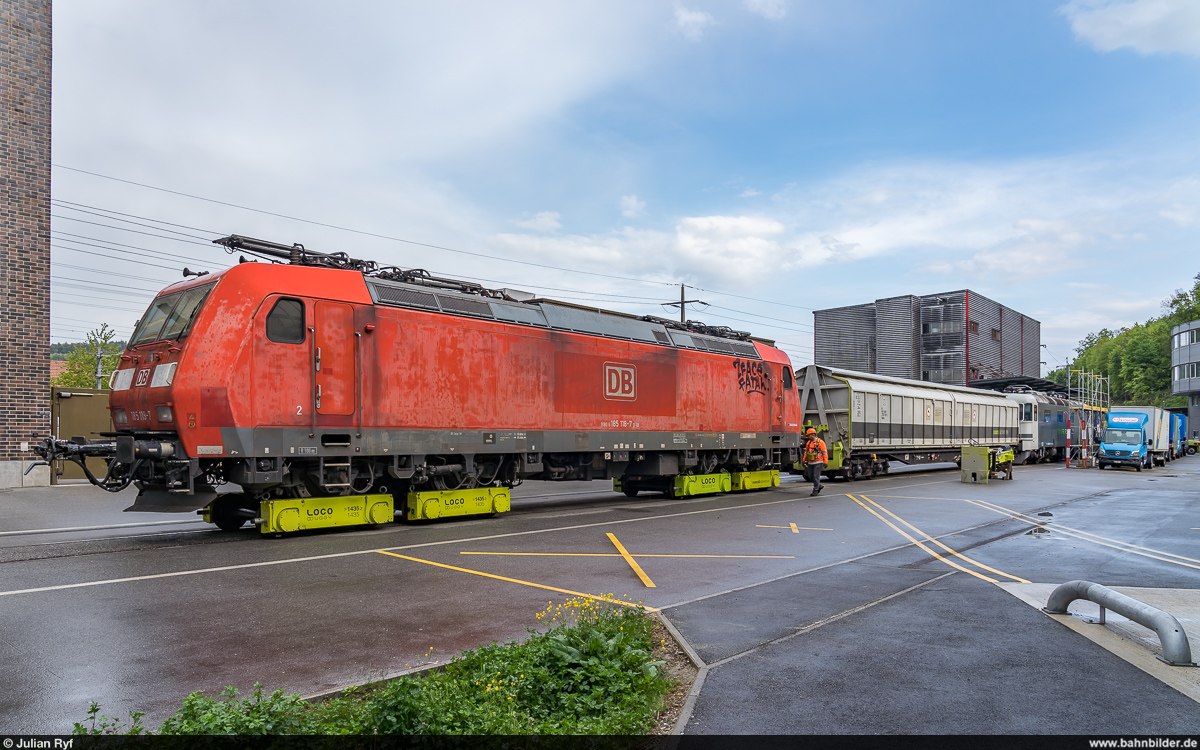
column 631, row 207
column 408, row 83
column 740, row 248
column 770, row 9
column 1147, row 26
column 545, row 221
column 692, row 23
column 749, row 193
column 1023, row 218
column 727, row 251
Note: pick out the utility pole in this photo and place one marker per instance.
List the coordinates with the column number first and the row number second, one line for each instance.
column 99, row 364
column 683, row 303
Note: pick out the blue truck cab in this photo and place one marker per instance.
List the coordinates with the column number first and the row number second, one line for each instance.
column 1125, row 441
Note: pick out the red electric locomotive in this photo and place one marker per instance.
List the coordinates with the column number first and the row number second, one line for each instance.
column 328, row 389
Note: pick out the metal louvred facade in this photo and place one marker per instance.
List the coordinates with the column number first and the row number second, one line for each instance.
column 1031, row 346
column 897, row 343
column 983, row 346
column 845, row 337
column 1012, row 355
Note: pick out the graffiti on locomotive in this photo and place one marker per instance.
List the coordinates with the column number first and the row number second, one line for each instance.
column 753, row 376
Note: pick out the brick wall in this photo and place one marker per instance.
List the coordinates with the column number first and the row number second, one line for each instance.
column 24, row 223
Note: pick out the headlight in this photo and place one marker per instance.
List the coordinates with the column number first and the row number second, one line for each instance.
column 163, row 375
column 164, row 413
column 119, row 416
column 121, row 379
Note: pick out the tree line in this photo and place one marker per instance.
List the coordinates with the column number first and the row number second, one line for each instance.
column 1137, row 360
column 81, row 359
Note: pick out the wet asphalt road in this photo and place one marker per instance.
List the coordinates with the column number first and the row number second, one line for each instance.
column 136, row 617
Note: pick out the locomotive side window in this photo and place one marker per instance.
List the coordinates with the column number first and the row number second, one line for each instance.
column 185, row 312
column 285, row 322
column 787, row 378
column 152, row 322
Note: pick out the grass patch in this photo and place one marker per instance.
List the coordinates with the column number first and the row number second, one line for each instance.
column 592, row 672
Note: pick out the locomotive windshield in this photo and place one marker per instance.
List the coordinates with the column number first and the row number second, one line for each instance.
column 1123, row 436
column 170, row 316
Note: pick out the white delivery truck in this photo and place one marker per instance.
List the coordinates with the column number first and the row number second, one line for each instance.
column 1158, row 431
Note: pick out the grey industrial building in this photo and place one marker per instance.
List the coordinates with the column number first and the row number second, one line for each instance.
column 1185, row 369
column 952, row 337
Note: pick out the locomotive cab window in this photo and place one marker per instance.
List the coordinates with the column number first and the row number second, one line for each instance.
column 787, row 378
column 152, row 322
column 180, row 321
column 285, row 322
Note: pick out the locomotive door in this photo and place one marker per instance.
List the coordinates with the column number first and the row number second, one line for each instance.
column 334, row 363
column 784, row 409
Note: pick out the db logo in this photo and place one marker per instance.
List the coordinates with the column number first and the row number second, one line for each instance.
column 143, row 377
column 620, row 382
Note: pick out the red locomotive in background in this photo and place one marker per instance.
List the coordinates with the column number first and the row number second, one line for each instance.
column 326, row 377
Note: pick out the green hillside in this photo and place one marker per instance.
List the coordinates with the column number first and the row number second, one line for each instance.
column 1137, row 360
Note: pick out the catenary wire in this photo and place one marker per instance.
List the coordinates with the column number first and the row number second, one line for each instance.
column 72, row 204
column 106, row 273
column 112, row 217
column 135, row 231
column 406, row 241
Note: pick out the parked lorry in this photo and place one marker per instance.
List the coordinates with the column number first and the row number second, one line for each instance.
column 1137, row 436
column 1179, row 441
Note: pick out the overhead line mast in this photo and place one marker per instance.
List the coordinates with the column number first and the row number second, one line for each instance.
column 683, row 303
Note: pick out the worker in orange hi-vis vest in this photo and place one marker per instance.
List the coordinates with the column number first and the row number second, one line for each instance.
column 815, row 458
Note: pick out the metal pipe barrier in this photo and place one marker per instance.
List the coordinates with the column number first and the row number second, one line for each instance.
column 1175, row 648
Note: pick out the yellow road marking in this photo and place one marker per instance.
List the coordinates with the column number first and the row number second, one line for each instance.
column 1088, row 536
column 1070, row 531
column 632, row 563
column 976, row 563
column 905, row 534
column 616, row 554
column 795, row 529
column 517, row 580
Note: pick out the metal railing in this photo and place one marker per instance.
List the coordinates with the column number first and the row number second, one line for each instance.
column 1176, row 650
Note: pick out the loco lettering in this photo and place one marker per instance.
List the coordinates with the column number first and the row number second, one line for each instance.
column 620, row 382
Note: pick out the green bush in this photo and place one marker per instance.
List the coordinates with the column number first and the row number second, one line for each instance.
column 592, row 672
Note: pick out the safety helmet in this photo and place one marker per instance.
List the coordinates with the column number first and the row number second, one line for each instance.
column 810, row 431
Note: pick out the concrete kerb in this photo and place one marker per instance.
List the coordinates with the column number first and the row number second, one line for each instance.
column 340, row 691
column 702, row 672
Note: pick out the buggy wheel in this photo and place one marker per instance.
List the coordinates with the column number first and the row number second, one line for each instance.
column 226, row 513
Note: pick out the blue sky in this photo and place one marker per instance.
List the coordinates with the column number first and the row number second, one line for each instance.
column 780, row 155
